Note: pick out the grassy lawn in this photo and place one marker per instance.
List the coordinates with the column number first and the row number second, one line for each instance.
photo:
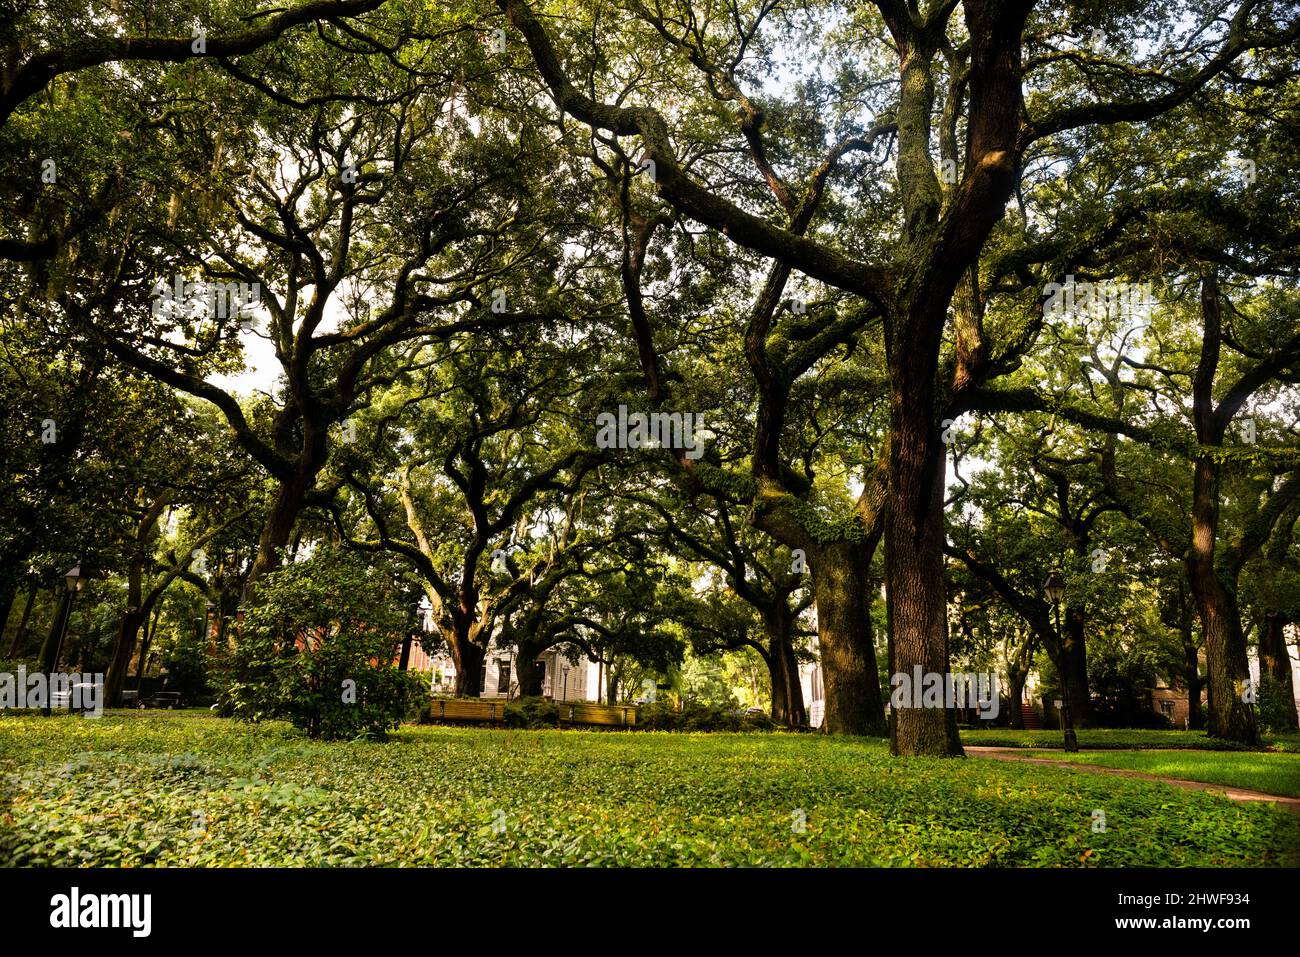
column 1121, row 738
column 1270, row 773
column 190, row 789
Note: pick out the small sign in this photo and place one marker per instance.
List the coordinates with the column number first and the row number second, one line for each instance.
column 1057, row 703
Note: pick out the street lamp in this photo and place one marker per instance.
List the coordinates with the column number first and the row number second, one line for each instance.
column 53, row 647
column 75, row 583
column 1054, row 589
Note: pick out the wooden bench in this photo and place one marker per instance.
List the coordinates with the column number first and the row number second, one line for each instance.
column 494, row 709
column 610, row 715
column 469, row 709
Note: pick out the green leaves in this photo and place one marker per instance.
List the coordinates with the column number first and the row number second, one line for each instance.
column 318, row 649
column 439, row 796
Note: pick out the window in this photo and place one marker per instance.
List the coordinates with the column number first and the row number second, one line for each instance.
column 503, row 675
column 1167, row 708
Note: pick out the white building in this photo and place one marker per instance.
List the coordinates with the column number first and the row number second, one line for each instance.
column 562, row 680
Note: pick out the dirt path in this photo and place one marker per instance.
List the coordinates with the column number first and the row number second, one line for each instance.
column 1233, row 793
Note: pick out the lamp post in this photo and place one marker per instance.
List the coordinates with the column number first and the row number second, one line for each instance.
column 54, row 643
column 1054, row 588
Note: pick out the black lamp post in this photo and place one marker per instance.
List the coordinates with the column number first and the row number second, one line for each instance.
column 1054, row 588
column 54, row 644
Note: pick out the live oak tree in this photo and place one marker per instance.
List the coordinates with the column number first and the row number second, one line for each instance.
column 201, row 499
column 474, row 472
column 772, row 583
column 962, row 82
column 55, row 47
column 467, row 245
column 1043, row 508
column 366, row 221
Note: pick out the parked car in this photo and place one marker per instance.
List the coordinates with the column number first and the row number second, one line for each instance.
column 63, row 699
column 163, row 699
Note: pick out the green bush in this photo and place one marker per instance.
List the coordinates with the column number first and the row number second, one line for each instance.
column 317, row 651
column 1276, row 709
column 658, row 716
column 532, row 713
column 695, row 716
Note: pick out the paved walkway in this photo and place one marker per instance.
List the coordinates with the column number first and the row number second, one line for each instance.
column 1233, row 793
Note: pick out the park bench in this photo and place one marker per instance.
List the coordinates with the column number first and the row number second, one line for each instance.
column 494, row 709
column 469, row 709
column 615, row 715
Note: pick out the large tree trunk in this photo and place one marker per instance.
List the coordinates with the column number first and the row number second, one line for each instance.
column 15, row 645
column 8, row 592
column 914, row 561
column 290, row 495
column 1016, row 679
column 52, row 647
column 143, row 660
column 1193, row 680
column 1275, row 661
column 1225, row 642
column 527, row 675
column 468, row 658
column 134, row 616
column 843, row 594
column 288, row 502
column 783, row 667
column 127, row 633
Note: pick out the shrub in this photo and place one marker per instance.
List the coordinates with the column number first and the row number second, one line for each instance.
column 695, row 716
column 317, row 650
column 532, row 713
column 658, row 716
column 1276, row 709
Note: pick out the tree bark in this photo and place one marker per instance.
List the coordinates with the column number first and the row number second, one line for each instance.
column 468, row 658
column 1016, row 681
column 8, row 592
column 16, row 643
column 854, row 704
column 1192, row 678
column 142, row 661
column 128, row 631
column 526, row 674
column 782, row 666
column 914, row 564
column 1225, row 642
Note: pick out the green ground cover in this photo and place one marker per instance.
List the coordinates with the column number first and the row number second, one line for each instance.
column 1121, row 738
column 1271, row 773
column 190, row 789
